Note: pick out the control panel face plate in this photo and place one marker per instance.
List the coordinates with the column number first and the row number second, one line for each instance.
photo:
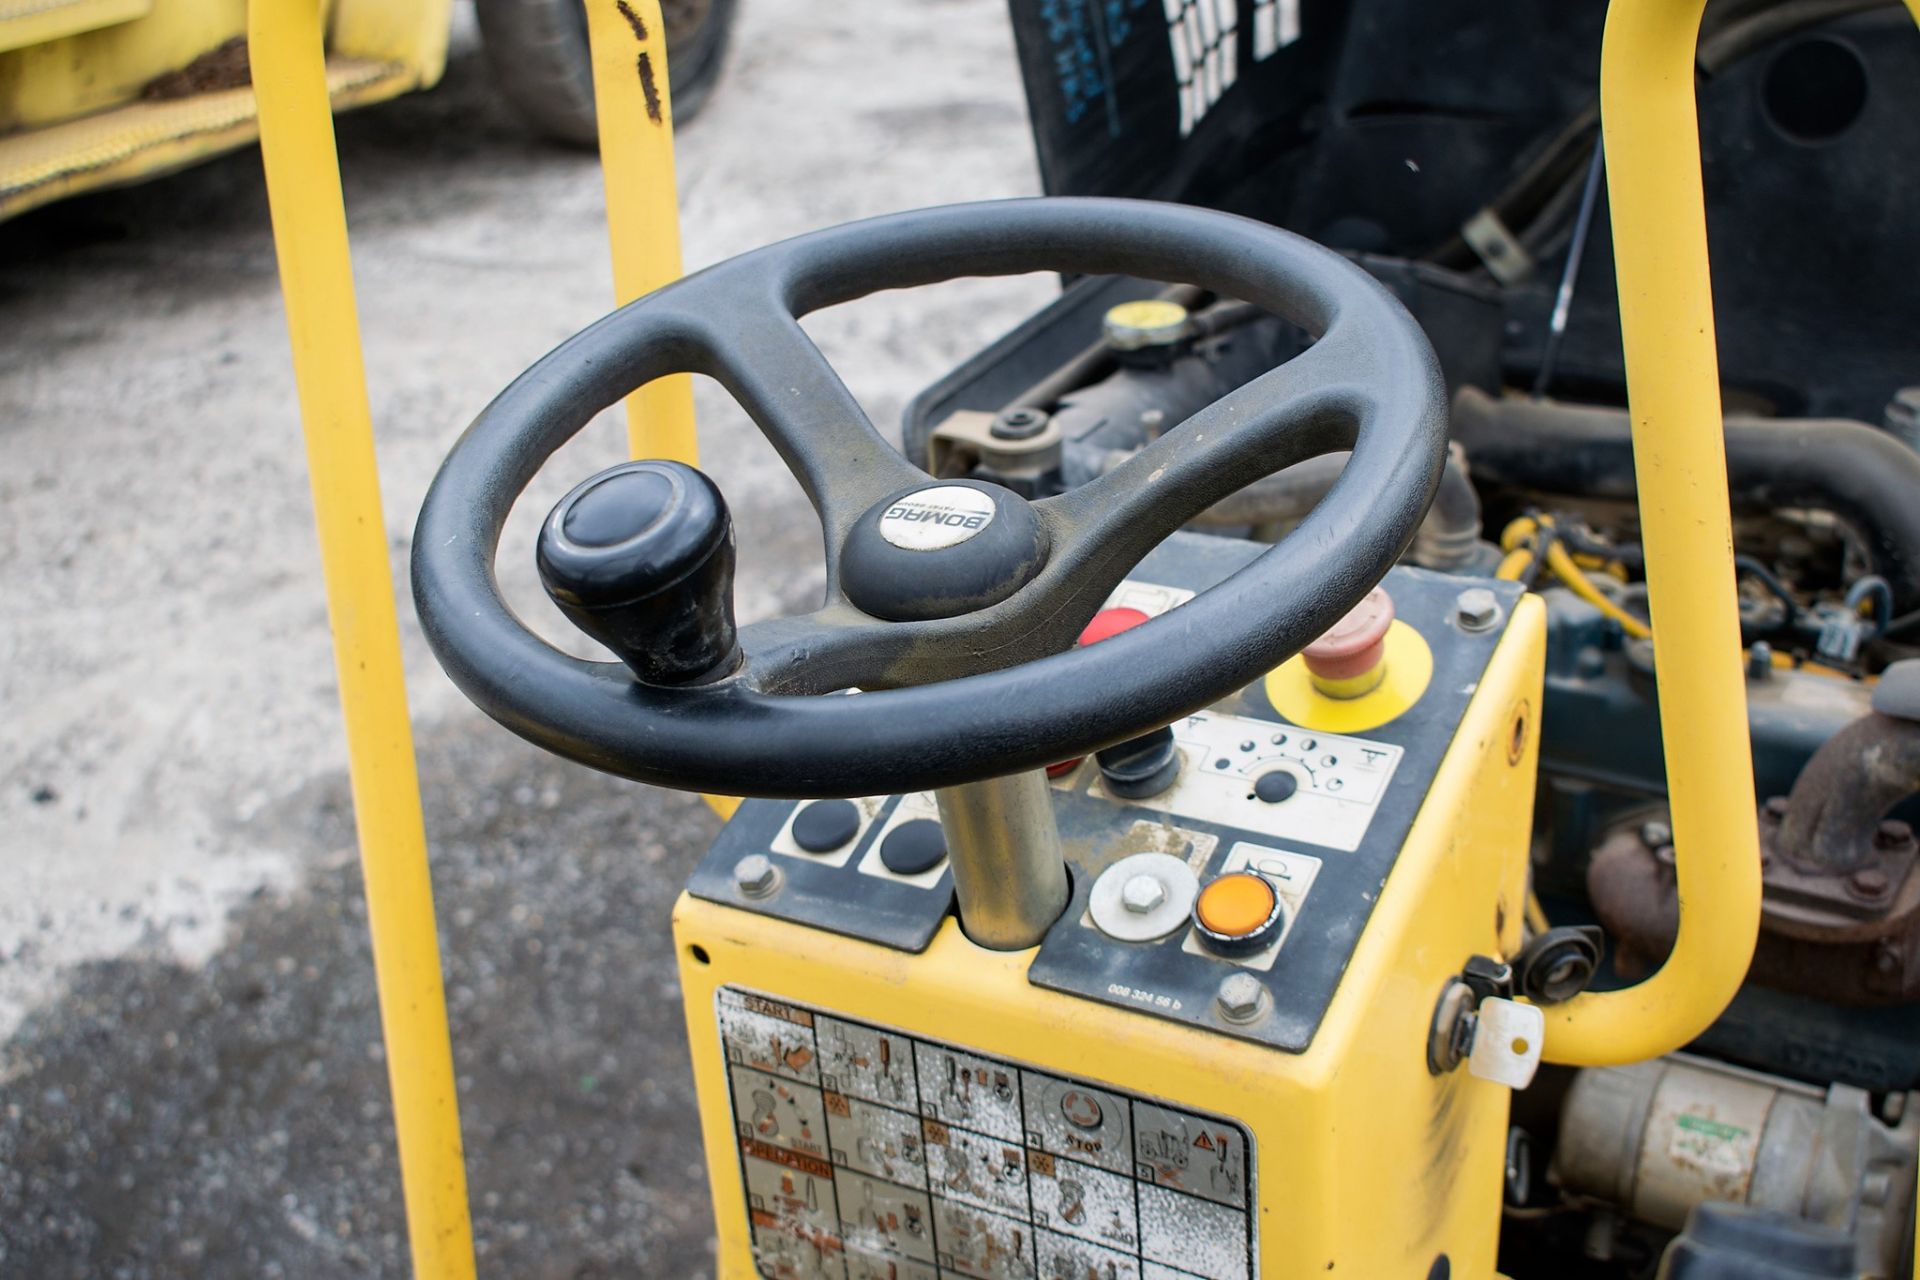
column 870, row 1154
column 1326, row 844
column 1339, row 781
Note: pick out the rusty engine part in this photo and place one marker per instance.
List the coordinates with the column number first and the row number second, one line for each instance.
column 1840, row 915
column 1658, row 1138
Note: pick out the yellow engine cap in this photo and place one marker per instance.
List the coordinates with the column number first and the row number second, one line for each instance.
column 1237, row 906
column 1148, row 322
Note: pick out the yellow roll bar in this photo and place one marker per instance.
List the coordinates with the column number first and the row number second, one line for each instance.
column 310, row 236
column 634, row 110
column 1651, row 132
column 287, row 49
column 635, row 115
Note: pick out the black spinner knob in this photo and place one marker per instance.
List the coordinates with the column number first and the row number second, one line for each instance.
column 1140, row 767
column 640, row 557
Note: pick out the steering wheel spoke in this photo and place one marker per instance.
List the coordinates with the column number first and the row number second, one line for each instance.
column 834, row 647
column 1302, row 409
column 757, row 350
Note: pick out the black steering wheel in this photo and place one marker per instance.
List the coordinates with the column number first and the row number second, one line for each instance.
column 954, row 605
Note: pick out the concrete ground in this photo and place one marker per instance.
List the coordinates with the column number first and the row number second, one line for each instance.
column 191, row 1080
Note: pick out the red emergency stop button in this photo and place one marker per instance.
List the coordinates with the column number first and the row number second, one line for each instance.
column 1105, row 625
column 1238, row 912
column 1351, row 658
column 1109, row 623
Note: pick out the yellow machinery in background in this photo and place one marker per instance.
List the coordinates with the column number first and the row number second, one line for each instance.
column 1113, row 1022
column 95, row 93
column 99, row 93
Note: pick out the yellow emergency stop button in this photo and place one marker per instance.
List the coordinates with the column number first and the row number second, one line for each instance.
column 1238, row 912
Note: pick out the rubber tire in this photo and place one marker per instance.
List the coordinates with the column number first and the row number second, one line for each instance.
column 538, row 50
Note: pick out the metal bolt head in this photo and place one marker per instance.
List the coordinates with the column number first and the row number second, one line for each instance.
column 1141, row 894
column 1870, row 882
column 1654, row 834
column 755, row 875
column 1476, row 609
column 1892, row 834
column 1241, row 997
column 1018, row 424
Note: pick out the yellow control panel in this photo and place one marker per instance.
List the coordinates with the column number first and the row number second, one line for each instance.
column 907, row 1105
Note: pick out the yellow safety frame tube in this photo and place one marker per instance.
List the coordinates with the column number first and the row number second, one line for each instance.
column 1651, row 133
column 1650, row 127
column 635, row 114
column 310, row 235
column 634, row 110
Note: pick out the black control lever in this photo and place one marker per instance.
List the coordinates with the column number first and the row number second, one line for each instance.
column 640, row 557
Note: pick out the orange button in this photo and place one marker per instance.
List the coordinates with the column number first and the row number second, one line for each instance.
column 1235, row 905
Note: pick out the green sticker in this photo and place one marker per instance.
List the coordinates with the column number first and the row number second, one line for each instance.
column 1711, row 1128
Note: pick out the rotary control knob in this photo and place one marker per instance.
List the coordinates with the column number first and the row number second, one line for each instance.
column 1275, row 786
column 640, row 557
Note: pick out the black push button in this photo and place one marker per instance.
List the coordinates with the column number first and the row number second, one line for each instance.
column 913, row 847
column 1275, row 785
column 825, row 825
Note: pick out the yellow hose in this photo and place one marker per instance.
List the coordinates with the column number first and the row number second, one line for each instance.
column 1666, row 308
column 1568, row 572
column 316, row 277
column 1515, row 565
column 1521, row 541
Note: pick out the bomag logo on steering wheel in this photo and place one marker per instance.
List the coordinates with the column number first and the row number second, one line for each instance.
column 930, row 519
column 923, row 511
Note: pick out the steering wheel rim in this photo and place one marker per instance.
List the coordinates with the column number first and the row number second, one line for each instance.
column 1001, row 688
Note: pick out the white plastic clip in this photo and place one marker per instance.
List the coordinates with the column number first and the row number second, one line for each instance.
column 1506, row 1043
